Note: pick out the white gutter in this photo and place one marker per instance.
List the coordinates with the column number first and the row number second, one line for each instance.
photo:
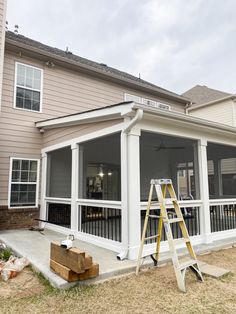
column 125, row 183
column 138, row 116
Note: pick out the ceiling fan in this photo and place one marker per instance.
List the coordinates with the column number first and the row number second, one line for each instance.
column 163, row 146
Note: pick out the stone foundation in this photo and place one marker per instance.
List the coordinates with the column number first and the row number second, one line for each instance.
column 18, row 218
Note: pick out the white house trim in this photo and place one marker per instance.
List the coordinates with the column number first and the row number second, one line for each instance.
column 96, row 115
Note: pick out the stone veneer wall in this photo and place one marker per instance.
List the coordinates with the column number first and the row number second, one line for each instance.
column 18, row 218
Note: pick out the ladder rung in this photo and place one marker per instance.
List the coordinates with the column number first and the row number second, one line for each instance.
column 170, row 200
column 173, row 220
column 154, row 216
column 181, row 241
column 152, row 237
column 161, row 181
column 187, row 263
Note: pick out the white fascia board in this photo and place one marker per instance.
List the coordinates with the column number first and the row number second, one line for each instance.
column 192, row 108
column 175, row 116
column 109, row 113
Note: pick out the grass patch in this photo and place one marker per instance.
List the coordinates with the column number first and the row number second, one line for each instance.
column 5, row 254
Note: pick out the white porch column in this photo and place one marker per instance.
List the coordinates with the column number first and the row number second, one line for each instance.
column 43, row 209
column 205, row 222
column 134, row 193
column 74, row 186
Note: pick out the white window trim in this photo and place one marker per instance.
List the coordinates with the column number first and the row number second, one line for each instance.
column 41, row 89
column 10, row 183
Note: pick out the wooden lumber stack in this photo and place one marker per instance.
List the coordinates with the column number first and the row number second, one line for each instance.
column 72, row 264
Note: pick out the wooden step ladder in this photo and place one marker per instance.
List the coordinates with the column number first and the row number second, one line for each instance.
column 164, row 187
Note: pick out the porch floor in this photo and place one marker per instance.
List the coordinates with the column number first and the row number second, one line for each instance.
column 36, row 247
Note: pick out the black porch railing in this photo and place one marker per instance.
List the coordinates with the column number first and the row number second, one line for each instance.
column 191, row 217
column 59, row 214
column 223, row 217
column 101, row 222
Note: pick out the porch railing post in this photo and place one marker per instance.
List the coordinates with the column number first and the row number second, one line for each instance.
column 134, row 192
column 74, row 186
column 205, row 220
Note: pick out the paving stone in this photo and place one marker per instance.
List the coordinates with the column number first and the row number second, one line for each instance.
column 213, row 271
column 227, row 247
column 204, row 253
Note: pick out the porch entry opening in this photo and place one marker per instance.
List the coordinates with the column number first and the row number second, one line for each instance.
column 175, row 158
column 58, row 187
column 222, row 186
column 100, row 186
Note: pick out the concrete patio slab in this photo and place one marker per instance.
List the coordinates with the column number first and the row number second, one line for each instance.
column 36, row 247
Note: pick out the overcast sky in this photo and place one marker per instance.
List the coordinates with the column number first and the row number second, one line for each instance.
column 175, row 44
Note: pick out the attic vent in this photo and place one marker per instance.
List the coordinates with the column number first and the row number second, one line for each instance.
column 158, row 105
column 68, row 52
column 163, row 106
column 147, row 102
column 16, row 30
column 129, row 97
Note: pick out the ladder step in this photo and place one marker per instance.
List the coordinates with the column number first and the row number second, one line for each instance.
column 170, row 200
column 173, row 220
column 154, row 216
column 152, row 237
column 181, row 241
column 187, row 263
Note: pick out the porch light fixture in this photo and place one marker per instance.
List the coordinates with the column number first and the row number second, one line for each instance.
column 101, row 173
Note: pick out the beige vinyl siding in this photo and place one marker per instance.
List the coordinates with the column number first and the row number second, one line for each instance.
column 58, row 135
column 234, row 113
column 221, row 112
column 64, row 92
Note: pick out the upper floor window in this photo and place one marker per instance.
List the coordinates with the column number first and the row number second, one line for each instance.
column 28, row 87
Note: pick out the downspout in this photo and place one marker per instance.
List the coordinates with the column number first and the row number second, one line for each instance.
column 124, row 136
column 186, row 107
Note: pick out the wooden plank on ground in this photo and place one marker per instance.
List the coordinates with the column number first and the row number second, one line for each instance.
column 73, row 258
column 90, row 273
column 64, row 272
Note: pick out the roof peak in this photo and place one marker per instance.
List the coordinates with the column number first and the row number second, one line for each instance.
column 201, row 94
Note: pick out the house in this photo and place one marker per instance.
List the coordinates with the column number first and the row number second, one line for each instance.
column 212, row 104
column 80, row 142
column 218, row 106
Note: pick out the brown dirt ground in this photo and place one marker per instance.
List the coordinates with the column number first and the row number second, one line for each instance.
column 153, row 291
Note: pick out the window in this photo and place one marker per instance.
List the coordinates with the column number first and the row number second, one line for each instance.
column 23, row 182
column 28, row 85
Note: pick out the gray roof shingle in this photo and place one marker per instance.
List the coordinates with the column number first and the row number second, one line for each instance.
column 11, row 37
column 201, row 94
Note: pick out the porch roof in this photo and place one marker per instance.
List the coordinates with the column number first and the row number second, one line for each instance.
column 128, row 109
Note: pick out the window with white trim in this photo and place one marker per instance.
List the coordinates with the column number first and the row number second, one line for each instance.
column 23, row 182
column 28, row 87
